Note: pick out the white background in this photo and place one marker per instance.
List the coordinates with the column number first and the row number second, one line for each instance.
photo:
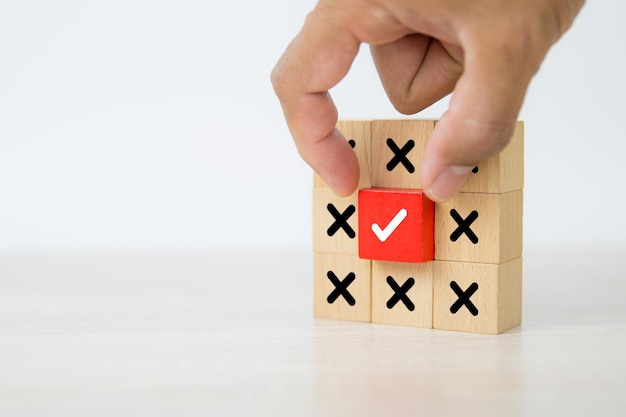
column 151, row 125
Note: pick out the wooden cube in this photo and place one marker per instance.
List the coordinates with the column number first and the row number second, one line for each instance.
column 358, row 134
column 397, row 152
column 402, row 293
column 503, row 172
column 478, row 298
column 335, row 224
column 479, row 227
column 342, row 287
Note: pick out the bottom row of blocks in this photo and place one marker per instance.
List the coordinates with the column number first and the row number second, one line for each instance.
column 472, row 297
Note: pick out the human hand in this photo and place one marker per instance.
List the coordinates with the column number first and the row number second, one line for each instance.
column 485, row 51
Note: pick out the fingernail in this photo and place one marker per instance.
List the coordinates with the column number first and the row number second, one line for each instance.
column 448, row 183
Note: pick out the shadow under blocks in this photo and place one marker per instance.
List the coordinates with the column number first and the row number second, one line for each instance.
column 387, row 254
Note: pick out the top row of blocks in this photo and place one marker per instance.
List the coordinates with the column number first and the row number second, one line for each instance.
column 390, row 153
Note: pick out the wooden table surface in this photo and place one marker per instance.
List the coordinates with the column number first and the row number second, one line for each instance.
column 232, row 334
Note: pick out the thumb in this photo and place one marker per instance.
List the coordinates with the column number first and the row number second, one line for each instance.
column 479, row 123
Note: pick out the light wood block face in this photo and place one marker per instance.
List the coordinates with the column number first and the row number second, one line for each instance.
column 479, row 228
column 342, row 287
column 358, row 134
column 335, row 224
column 503, row 172
column 397, row 152
column 479, row 298
column 402, row 293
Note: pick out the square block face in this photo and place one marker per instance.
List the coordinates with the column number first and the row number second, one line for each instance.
column 503, row 172
column 483, row 228
column 396, row 225
column 358, row 135
column 397, row 152
column 478, row 298
column 342, row 287
column 402, row 294
column 335, row 224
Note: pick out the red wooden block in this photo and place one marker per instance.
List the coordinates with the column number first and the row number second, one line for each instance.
column 396, row 225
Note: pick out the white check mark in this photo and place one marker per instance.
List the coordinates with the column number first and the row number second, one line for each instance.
column 383, row 235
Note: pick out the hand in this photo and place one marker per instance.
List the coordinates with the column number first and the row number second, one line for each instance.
column 485, row 51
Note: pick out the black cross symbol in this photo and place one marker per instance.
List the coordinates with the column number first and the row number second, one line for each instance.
column 341, row 220
column 464, row 298
column 464, row 226
column 400, row 155
column 341, row 288
column 400, row 293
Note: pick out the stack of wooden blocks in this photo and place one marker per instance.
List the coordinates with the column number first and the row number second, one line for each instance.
column 387, row 254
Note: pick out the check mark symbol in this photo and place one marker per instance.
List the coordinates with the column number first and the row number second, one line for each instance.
column 383, row 235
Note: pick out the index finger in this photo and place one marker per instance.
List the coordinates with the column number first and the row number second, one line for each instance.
column 316, row 60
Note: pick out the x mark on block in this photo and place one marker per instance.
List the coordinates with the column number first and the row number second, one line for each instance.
column 341, row 288
column 400, row 155
column 464, row 226
column 341, row 220
column 464, row 298
column 400, row 293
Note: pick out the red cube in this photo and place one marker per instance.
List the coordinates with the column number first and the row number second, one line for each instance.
column 396, row 225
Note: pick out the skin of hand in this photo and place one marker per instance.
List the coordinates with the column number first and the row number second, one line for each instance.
column 484, row 51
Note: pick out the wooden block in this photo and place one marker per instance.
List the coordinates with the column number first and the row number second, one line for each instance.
column 478, row 298
column 342, row 287
column 402, row 293
column 479, row 228
column 335, row 224
column 358, row 134
column 396, row 225
column 503, row 172
column 397, row 152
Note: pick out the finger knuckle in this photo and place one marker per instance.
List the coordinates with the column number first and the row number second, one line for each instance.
column 371, row 21
column 526, row 37
column 278, row 79
column 403, row 103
